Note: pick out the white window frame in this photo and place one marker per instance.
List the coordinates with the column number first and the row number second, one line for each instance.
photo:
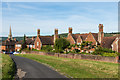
column 37, row 43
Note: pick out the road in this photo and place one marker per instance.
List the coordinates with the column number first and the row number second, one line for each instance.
column 27, row 68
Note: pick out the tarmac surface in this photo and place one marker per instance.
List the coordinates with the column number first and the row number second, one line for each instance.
column 27, row 68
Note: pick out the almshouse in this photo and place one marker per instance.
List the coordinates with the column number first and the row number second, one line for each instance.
column 11, row 45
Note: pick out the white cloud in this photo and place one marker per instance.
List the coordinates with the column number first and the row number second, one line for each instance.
column 28, row 24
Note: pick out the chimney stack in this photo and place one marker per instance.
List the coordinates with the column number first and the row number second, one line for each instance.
column 14, row 39
column 70, row 30
column 56, row 34
column 100, row 33
column 38, row 32
column 33, row 38
column 100, row 27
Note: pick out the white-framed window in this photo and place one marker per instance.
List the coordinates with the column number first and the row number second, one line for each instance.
column 37, row 43
column 18, row 45
column 30, row 46
column 18, row 49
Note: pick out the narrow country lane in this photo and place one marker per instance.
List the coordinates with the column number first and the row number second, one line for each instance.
column 27, row 68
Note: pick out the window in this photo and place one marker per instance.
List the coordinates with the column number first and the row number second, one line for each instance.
column 18, row 45
column 30, row 46
column 37, row 43
column 18, row 49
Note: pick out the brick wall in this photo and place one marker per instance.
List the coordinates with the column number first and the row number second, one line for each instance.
column 37, row 40
column 3, row 47
column 70, row 38
column 119, row 46
column 79, row 40
column 78, row 56
column 91, row 38
column 115, row 46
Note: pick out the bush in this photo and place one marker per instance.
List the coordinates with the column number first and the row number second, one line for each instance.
column 61, row 44
column 85, row 53
column 100, row 49
column 35, row 49
column 76, row 50
column 47, row 48
column 104, row 52
column 109, row 54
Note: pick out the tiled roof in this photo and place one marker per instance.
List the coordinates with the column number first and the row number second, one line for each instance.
column 8, row 42
column 19, row 42
column 30, row 41
column 83, row 36
column 107, row 41
column 95, row 36
column 47, row 40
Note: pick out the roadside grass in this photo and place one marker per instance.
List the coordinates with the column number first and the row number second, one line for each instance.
column 0, row 66
column 8, row 67
column 76, row 68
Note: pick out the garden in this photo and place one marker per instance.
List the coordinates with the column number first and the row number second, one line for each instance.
column 63, row 46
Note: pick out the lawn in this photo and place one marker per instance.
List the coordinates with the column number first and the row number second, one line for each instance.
column 8, row 67
column 76, row 68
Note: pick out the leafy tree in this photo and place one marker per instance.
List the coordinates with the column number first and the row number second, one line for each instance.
column 61, row 44
column 24, row 44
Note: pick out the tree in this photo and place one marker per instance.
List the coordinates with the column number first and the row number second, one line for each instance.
column 24, row 44
column 61, row 44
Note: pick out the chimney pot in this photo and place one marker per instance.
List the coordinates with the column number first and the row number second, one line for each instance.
column 70, row 30
column 38, row 32
column 14, row 39
column 56, row 31
column 56, row 35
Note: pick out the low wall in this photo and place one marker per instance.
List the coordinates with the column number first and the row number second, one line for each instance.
column 77, row 56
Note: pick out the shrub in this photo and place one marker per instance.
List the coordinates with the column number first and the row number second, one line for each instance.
column 76, row 50
column 61, row 44
column 35, row 49
column 100, row 50
column 109, row 54
column 24, row 43
column 47, row 48
column 104, row 52
column 85, row 53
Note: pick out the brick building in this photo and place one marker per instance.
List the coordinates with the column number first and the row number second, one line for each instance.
column 45, row 40
column 96, row 38
column 18, row 45
column 9, row 44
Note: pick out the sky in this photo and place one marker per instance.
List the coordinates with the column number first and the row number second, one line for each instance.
column 83, row 17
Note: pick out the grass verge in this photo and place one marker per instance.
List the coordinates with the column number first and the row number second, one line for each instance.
column 8, row 67
column 77, row 68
